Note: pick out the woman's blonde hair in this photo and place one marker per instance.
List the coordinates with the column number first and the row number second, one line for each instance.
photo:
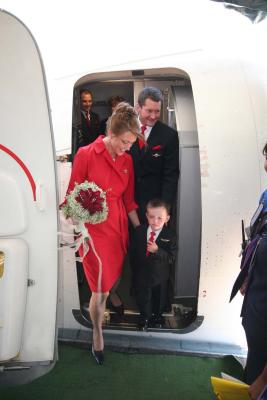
column 124, row 119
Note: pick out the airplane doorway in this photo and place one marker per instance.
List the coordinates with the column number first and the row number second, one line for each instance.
column 178, row 112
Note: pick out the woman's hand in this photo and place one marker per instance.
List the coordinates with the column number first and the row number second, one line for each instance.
column 134, row 218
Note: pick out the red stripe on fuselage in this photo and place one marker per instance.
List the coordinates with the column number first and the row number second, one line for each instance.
column 23, row 166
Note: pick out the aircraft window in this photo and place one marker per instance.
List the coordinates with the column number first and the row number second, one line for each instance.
column 2, row 259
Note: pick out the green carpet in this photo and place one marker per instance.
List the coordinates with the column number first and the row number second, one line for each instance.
column 76, row 376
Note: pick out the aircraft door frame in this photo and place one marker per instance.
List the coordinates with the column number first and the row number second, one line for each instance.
column 189, row 196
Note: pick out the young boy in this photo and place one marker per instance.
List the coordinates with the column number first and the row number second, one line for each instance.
column 154, row 247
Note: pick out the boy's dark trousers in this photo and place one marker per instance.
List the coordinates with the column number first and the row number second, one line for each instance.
column 152, row 300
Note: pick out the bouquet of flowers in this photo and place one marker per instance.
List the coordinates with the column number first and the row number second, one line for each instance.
column 86, row 203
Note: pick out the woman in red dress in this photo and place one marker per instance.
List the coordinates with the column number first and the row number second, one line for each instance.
column 106, row 163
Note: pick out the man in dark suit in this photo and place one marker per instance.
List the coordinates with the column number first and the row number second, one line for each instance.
column 156, row 161
column 85, row 128
column 88, row 129
column 154, row 247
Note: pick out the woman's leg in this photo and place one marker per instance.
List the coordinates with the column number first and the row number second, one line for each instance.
column 97, row 309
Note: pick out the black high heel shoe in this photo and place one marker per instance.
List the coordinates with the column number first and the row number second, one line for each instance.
column 98, row 356
column 117, row 309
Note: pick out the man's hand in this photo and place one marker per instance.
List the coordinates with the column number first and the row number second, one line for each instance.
column 258, row 385
column 63, row 158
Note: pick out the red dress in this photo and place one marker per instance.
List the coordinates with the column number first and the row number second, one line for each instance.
column 94, row 164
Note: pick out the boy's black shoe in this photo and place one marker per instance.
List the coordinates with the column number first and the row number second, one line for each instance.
column 143, row 324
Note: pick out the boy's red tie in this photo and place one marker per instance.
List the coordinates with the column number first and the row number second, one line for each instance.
column 151, row 239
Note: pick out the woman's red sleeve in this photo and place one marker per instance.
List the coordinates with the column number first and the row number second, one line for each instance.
column 128, row 196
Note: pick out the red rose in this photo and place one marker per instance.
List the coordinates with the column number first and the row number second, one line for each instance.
column 90, row 200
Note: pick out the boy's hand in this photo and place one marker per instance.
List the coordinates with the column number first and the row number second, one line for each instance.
column 152, row 247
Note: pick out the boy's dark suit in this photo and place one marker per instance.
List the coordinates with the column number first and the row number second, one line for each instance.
column 151, row 273
column 156, row 167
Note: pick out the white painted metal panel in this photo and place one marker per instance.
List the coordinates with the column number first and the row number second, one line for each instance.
column 29, row 202
column 13, row 294
column 12, row 211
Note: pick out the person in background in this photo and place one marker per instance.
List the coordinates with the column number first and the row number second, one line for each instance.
column 87, row 130
column 113, row 101
column 106, row 163
column 156, row 158
column 154, row 246
column 254, row 308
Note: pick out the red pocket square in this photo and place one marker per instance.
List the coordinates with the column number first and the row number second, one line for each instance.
column 158, row 147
